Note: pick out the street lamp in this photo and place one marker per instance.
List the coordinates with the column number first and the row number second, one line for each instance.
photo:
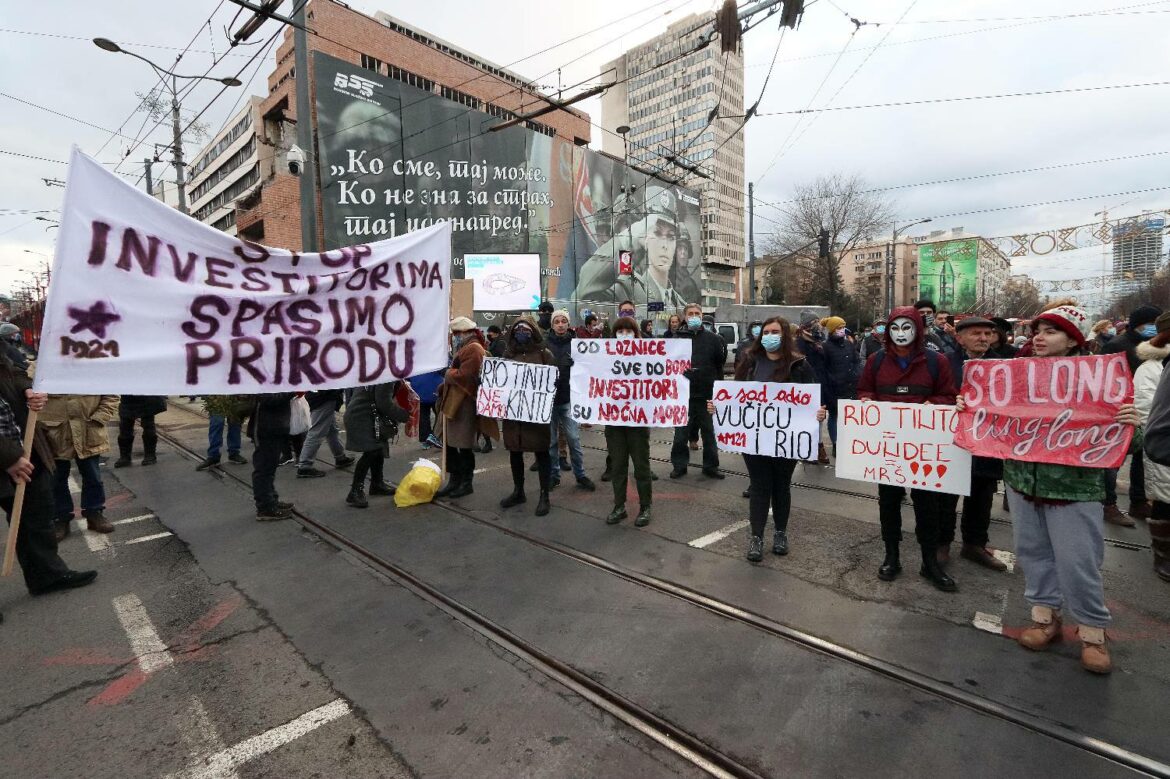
column 105, row 44
column 892, row 262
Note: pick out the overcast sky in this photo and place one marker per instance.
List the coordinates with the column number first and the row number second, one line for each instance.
column 938, row 50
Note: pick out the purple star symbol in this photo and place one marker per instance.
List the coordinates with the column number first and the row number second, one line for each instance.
column 95, row 318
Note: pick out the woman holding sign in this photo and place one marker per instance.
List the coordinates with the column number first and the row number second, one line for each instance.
column 525, row 344
column 1057, row 519
column 772, row 357
column 626, row 444
column 457, row 405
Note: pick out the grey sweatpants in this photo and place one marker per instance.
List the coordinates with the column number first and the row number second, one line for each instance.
column 1060, row 550
column 322, row 427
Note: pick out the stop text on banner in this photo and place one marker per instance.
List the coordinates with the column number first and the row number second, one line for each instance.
column 521, row 391
column 902, row 444
column 769, row 419
column 635, row 382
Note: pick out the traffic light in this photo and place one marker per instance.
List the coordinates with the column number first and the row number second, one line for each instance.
column 823, row 244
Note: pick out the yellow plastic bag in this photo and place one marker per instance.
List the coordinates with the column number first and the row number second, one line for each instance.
column 419, row 485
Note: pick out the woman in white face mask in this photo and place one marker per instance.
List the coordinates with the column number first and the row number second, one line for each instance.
column 626, row 444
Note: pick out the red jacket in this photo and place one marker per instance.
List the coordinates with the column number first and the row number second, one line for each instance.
column 913, row 384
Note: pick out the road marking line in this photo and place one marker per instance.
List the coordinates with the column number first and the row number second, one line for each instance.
column 149, row 650
column 224, row 762
column 200, row 736
column 97, row 542
column 128, row 520
column 1005, row 557
column 147, row 538
column 718, row 535
column 990, row 623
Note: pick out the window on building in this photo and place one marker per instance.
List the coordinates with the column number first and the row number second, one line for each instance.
column 372, row 63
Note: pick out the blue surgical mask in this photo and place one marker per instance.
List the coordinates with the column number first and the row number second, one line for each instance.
column 694, row 322
column 1148, row 331
column 771, row 342
column 522, row 336
column 880, row 329
column 1111, row 331
column 755, row 331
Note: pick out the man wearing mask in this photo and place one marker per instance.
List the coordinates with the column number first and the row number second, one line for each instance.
column 627, row 308
column 842, row 366
column 810, row 339
column 566, row 437
column 1141, row 329
column 708, row 355
column 752, row 334
column 908, row 372
column 933, row 338
column 544, row 314
column 974, row 335
column 875, row 341
column 495, row 343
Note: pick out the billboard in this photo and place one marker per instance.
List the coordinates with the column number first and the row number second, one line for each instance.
column 504, row 282
column 393, row 157
column 947, row 274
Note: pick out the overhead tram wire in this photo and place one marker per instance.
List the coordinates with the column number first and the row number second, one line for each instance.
column 178, row 59
column 64, row 115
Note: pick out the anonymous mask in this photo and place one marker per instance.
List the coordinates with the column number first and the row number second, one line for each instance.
column 903, row 331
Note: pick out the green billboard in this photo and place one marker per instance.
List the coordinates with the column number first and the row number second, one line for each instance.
column 947, row 274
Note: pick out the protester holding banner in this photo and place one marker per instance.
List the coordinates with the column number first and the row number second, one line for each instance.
column 974, row 336
column 371, row 419
column 625, row 444
column 564, row 429
column 76, row 428
column 268, row 427
column 909, row 372
column 36, row 545
column 708, row 356
column 774, row 358
column 1057, row 518
column 1150, row 375
column 525, row 344
column 457, row 406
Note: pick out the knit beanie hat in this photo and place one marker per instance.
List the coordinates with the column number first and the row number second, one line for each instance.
column 1143, row 315
column 808, row 318
column 832, row 323
column 1073, row 321
column 562, row 312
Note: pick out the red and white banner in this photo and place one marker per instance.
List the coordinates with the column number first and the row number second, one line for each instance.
column 1047, row 409
column 147, row 301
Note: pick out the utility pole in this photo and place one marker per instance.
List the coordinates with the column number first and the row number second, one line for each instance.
column 751, row 243
column 149, row 182
column 305, row 133
column 177, row 146
column 892, row 263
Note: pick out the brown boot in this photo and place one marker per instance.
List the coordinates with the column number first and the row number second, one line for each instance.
column 1139, row 509
column 1114, row 516
column 1160, row 543
column 1045, row 629
column 981, row 555
column 97, row 522
column 1094, row 654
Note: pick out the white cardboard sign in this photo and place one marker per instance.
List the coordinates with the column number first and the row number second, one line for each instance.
column 767, row 418
column 637, row 382
column 521, row 391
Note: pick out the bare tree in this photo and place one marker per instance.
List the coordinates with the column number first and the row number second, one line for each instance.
column 850, row 213
column 1020, row 298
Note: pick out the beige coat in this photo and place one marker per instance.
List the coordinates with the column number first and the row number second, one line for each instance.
column 76, row 424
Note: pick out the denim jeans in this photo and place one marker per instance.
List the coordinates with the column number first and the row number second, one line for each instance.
column 215, row 427
column 562, row 420
column 93, row 492
column 322, row 427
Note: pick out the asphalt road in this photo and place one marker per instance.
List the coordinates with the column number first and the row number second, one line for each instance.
column 301, row 626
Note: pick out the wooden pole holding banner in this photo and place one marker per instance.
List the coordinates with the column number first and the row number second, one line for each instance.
column 30, row 429
column 443, row 454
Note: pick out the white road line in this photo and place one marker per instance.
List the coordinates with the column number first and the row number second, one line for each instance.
column 148, row 648
column 1005, row 557
column 990, row 623
column 200, row 737
column 147, row 538
column 97, row 542
column 718, row 535
column 128, row 520
column 223, row 763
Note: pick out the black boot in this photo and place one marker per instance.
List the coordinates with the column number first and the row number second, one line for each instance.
column 933, row 572
column 516, row 498
column 892, row 565
column 357, row 498
column 123, row 459
column 755, row 550
column 149, row 448
column 464, row 487
column 542, row 504
column 455, row 471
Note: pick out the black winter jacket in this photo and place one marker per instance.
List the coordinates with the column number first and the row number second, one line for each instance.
column 13, row 383
column 137, row 406
column 984, row 467
column 561, row 347
column 1126, row 342
column 271, row 416
column 321, row 398
column 708, row 356
column 363, row 405
column 842, row 369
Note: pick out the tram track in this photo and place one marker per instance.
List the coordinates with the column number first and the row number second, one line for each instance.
column 677, row 740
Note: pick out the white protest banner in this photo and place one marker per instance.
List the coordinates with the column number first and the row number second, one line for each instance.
column 636, row 382
column 147, row 301
column 767, row 418
column 904, row 444
column 522, row 391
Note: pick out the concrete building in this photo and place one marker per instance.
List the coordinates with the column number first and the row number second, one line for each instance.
column 393, row 49
column 864, row 269
column 227, row 169
column 1137, row 252
column 666, row 103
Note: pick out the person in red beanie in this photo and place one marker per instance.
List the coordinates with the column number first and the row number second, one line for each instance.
column 907, row 372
